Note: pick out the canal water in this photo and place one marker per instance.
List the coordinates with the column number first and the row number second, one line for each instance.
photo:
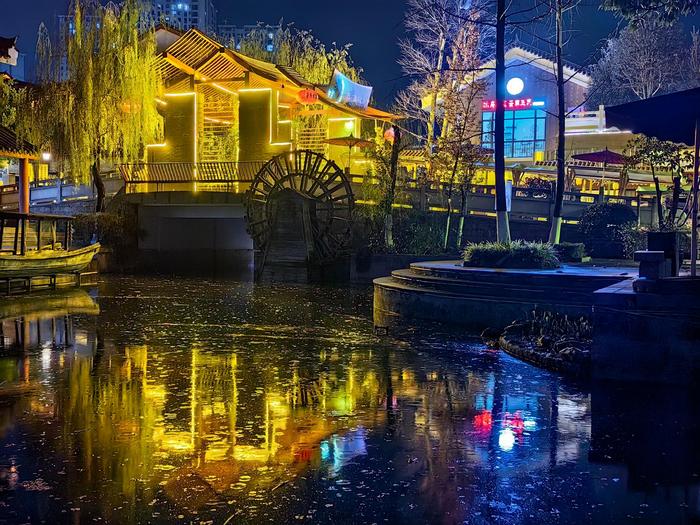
column 170, row 401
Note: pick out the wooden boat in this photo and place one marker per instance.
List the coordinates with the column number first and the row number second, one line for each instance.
column 27, row 250
column 47, row 262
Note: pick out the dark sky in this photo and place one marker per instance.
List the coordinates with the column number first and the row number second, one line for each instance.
column 373, row 26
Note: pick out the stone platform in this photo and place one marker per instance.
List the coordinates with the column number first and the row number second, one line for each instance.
column 649, row 335
column 478, row 298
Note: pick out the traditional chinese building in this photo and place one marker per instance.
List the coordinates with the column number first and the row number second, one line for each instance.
column 222, row 106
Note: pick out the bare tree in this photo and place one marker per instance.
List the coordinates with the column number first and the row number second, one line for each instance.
column 642, row 62
column 660, row 11
column 461, row 122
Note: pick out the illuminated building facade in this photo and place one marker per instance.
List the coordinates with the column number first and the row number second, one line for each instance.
column 222, row 106
column 186, row 14
column 530, row 106
column 531, row 124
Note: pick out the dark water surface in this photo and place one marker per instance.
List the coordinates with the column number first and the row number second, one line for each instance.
column 221, row 402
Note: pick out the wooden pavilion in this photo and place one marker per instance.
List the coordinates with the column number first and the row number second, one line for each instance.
column 222, row 106
column 11, row 147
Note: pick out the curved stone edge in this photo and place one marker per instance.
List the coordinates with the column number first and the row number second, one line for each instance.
column 512, row 347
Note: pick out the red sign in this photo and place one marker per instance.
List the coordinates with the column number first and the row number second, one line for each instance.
column 308, row 96
column 514, row 103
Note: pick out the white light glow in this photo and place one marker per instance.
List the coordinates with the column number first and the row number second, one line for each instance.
column 515, row 86
column 506, row 440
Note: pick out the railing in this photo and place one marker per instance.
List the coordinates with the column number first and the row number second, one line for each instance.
column 26, row 232
column 190, row 172
column 534, row 203
column 53, row 191
column 9, row 197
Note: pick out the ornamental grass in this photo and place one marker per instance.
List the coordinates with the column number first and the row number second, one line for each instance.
column 516, row 254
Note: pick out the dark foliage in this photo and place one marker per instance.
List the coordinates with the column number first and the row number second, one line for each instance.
column 610, row 231
column 517, row 254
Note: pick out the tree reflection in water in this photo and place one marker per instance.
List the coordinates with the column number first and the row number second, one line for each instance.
column 221, row 401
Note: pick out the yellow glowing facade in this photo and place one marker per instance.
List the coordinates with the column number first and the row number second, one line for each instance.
column 222, row 106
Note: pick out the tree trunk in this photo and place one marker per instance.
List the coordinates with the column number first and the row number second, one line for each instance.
column 674, row 201
column 389, row 231
column 448, row 222
column 502, row 226
column 391, row 194
column 99, row 187
column 555, row 228
column 434, row 100
column 462, row 216
column 659, row 197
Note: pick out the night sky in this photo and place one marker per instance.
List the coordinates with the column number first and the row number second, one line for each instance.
column 373, row 26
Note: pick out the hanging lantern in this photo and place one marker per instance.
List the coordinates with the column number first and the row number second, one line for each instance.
column 307, row 96
column 389, row 135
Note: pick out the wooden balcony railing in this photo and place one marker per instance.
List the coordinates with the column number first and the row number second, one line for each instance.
column 190, row 172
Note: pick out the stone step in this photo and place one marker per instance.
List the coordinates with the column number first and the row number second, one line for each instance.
column 573, row 278
column 476, row 288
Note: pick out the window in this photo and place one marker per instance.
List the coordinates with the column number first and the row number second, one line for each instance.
column 524, row 132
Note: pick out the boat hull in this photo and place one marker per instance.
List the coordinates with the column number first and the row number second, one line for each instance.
column 47, row 262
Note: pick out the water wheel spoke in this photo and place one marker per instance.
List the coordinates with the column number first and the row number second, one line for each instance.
column 312, row 175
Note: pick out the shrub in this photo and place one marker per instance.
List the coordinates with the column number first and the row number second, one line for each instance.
column 517, row 254
column 558, row 326
column 117, row 231
column 598, row 218
column 570, row 251
column 415, row 232
column 610, row 230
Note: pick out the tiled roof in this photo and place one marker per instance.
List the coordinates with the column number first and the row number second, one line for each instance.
column 197, row 54
column 11, row 146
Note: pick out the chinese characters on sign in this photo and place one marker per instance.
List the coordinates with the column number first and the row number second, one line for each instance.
column 516, row 103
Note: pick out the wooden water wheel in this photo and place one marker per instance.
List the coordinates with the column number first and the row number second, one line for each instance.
column 310, row 176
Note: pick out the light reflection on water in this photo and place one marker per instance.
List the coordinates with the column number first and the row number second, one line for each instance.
column 227, row 403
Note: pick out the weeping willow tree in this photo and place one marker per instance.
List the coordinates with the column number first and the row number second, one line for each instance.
column 313, row 60
column 103, row 107
column 302, row 51
column 9, row 98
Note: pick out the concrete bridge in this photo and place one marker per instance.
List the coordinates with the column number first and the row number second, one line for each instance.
column 216, row 216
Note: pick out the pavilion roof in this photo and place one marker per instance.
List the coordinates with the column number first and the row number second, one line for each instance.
column 5, row 45
column 11, row 146
column 195, row 54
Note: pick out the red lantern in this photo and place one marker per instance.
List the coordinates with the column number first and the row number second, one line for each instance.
column 307, row 96
column 389, row 135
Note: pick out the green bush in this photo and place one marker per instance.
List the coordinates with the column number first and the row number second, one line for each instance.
column 114, row 230
column 610, row 230
column 570, row 251
column 517, row 254
column 415, row 232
